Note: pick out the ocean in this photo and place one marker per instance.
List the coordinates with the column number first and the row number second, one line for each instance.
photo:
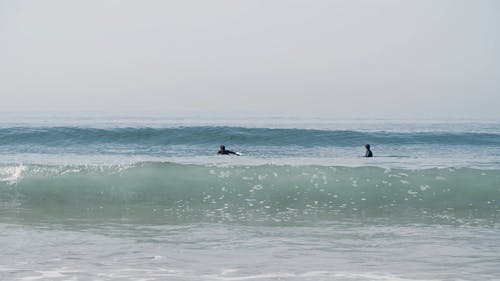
column 146, row 197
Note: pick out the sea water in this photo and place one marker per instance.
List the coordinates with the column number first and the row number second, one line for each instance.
column 135, row 197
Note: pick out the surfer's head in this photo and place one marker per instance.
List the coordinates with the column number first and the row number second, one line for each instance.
column 367, row 146
column 222, row 148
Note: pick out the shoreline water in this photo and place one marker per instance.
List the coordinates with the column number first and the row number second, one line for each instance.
column 136, row 199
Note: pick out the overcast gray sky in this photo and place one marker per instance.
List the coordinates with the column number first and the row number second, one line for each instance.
column 356, row 58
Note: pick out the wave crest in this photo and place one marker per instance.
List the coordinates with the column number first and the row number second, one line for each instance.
column 177, row 192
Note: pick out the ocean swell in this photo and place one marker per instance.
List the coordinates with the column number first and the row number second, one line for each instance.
column 144, row 136
column 170, row 192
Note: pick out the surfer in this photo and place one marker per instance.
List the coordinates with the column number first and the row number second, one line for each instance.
column 368, row 151
column 224, row 151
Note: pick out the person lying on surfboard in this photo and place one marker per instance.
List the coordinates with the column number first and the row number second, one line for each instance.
column 224, row 151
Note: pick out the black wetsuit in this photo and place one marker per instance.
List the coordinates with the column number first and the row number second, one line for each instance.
column 368, row 153
column 226, row 152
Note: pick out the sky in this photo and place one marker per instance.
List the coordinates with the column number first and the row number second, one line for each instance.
column 314, row 58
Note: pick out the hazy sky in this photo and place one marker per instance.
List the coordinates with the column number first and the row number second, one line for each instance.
column 310, row 58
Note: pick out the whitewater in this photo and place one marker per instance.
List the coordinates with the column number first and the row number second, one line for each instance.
column 134, row 197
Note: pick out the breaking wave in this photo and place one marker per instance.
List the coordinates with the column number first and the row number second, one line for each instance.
column 170, row 193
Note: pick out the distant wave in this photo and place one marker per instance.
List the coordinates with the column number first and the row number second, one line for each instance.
column 180, row 192
column 62, row 136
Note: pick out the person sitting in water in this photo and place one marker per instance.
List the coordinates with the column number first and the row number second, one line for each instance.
column 224, row 151
column 368, row 151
